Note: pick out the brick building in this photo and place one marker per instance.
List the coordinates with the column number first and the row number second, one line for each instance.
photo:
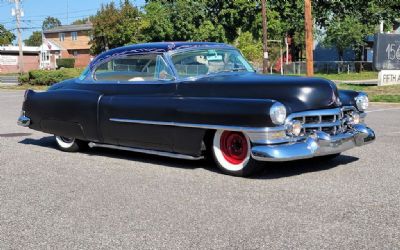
column 67, row 41
column 9, row 56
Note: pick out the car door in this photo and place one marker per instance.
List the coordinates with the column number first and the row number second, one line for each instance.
column 142, row 95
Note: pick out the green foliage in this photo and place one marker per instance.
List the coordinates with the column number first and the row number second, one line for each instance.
column 65, row 62
column 251, row 48
column 116, row 26
column 225, row 21
column 23, row 78
column 343, row 33
column 6, row 37
column 82, row 21
column 35, row 39
column 49, row 77
column 50, row 23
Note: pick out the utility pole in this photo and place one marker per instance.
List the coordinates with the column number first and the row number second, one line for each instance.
column 309, row 37
column 18, row 13
column 265, row 38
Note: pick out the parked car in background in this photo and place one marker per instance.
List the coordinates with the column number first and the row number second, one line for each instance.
column 191, row 100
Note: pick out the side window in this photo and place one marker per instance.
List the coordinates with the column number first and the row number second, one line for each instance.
column 134, row 68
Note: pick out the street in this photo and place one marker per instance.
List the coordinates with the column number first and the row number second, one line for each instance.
column 113, row 199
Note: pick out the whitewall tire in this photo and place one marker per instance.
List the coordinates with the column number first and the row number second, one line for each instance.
column 231, row 152
column 70, row 144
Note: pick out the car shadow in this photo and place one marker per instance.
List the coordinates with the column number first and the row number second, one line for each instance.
column 49, row 142
column 277, row 170
column 273, row 170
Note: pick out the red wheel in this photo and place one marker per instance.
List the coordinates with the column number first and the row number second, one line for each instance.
column 234, row 147
column 231, row 152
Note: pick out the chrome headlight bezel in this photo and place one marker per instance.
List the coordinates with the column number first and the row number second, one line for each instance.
column 362, row 101
column 278, row 113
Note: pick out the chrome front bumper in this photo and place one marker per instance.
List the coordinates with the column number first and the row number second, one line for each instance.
column 318, row 144
column 23, row 120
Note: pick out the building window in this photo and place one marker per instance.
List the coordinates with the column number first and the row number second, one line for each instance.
column 76, row 53
column 62, row 37
column 74, row 36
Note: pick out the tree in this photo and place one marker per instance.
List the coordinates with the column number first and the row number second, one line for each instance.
column 6, row 37
column 116, row 26
column 344, row 33
column 50, row 23
column 35, row 39
column 157, row 22
column 82, row 21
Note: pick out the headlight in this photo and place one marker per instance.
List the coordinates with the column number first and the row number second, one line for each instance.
column 362, row 102
column 277, row 113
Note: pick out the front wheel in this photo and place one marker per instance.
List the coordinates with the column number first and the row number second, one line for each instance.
column 231, row 152
column 70, row 144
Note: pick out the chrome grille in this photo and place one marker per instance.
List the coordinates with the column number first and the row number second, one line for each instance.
column 329, row 121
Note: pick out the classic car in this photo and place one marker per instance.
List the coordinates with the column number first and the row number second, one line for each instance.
column 192, row 100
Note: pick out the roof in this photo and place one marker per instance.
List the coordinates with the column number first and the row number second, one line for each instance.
column 159, row 47
column 26, row 49
column 69, row 28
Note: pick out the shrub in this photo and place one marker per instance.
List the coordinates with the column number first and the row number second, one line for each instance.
column 49, row 77
column 65, row 62
column 24, row 78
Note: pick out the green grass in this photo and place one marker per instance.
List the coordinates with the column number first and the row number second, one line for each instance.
column 365, row 75
column 377, row 93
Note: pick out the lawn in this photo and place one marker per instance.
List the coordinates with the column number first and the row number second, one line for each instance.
column 377, row 93
column 365, row 75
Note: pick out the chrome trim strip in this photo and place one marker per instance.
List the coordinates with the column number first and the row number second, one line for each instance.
column 203, row 126
column 145, row 151
column 322, row 124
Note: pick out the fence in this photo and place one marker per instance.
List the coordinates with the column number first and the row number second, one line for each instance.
column 324, row 67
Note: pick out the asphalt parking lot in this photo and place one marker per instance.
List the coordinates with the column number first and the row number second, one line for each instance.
column 112, row 199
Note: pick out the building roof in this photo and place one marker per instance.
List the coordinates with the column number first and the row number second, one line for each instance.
column 70, row 28
column 25, row 49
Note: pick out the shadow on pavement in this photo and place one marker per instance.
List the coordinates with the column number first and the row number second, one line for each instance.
column 272, row 170
column 277, row 170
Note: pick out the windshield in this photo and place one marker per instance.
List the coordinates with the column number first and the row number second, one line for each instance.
column 199, row 62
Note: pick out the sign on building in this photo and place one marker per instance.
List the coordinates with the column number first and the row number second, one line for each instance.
column 387, row 58
column 7, row 60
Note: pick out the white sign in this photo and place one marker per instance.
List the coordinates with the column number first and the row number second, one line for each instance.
column 8, row 60
column 389, row 77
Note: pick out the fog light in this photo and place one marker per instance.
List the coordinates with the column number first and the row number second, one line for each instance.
column 355, row 117
column 294, row 128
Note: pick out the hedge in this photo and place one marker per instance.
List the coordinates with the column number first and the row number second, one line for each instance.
column 65, row 63
column 48, row 77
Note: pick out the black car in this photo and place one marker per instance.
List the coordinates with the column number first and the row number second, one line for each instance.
column 189, row 100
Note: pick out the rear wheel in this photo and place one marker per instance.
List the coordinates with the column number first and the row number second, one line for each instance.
column 70, row 144
column 231, row 152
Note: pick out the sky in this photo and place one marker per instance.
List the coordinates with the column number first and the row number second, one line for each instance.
column 35, row 11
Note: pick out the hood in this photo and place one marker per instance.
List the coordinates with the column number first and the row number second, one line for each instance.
column 297, row 93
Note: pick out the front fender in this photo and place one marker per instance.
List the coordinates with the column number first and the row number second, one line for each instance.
column 224, row 111
column 347, row 97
